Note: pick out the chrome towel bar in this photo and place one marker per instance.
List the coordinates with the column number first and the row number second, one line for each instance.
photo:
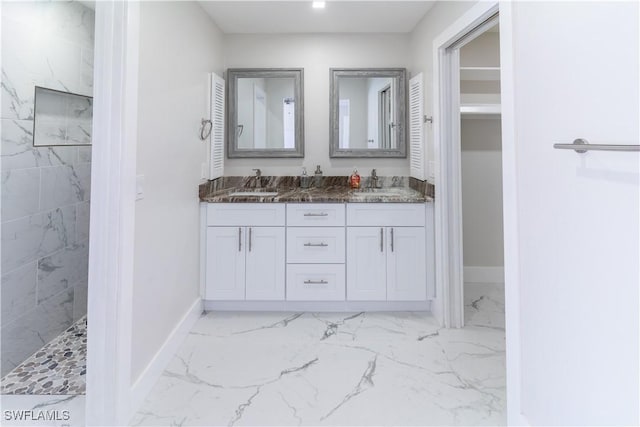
column 581, row 145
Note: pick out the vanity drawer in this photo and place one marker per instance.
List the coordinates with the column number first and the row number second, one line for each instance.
column 315, row 282
column 251, row 214
column 316, row 245
column 386, row 214
column 315, row 215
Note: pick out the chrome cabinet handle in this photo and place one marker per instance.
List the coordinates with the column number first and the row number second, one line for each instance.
column 315, row 282
column 249, row 239
column 239, row 239
column 316, row 214
column 316, row 244
column 392, row 240
column 381, row 239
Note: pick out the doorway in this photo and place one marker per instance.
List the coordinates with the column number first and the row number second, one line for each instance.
column 448, row 305
column 481, row 177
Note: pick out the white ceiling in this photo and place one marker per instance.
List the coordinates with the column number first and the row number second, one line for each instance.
column 297, row 16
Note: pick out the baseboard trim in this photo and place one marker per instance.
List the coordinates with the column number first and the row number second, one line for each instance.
column 484, row 274
column 145, row 382
column 317, row 306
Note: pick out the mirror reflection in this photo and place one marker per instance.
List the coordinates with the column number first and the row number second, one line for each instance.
column 368, row 112
column 266, row 113
column 265, row 117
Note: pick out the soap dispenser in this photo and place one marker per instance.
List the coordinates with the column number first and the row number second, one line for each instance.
column 318, row 177
column 354, row 179
column 304, row 178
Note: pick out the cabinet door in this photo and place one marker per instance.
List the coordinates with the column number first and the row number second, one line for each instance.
column 366, row 265
column 225, row 263
column 406, row 264
column 265, row 263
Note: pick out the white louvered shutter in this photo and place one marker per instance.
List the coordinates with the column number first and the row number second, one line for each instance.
column 416, row 128
column 216, row 161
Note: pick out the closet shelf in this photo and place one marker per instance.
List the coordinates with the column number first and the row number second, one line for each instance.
column 480, row 104
column 480, row 109
column 480, row 73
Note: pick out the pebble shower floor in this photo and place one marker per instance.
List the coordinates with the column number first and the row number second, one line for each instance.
column 58, row 368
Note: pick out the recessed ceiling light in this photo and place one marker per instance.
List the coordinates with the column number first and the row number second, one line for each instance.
column 318, row 4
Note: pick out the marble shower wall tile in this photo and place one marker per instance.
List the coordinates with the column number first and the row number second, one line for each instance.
column 18, row 292
column 27, row 239
column 65, row 185
column 27, row 334
column 62, row 270
column 82, row 222
column 86, row 71
column 80, row 299
column 20, row 193
column 52, row 39
column 84, row 155
column 18, row 152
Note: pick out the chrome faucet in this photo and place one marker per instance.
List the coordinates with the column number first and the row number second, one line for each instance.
column 373, row 182
column 258, row 179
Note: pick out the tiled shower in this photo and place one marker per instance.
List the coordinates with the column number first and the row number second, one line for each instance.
column 45, row 188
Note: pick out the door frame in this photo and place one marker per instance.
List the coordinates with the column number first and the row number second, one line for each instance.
column 448, row 307
column 111, row 239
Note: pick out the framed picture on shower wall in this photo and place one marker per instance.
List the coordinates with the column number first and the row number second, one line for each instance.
column 61, row 118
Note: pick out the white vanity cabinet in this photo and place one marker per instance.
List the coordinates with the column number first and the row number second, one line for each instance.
column 245, row 252
column 315, row 252
column 386, row 252
column 317, row 256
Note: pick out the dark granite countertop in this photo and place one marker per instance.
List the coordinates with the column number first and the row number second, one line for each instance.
column 333, row 190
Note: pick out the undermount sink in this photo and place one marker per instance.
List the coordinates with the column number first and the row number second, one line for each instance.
column 254, row 192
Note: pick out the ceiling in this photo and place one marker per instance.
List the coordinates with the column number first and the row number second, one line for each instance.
column 297, row 16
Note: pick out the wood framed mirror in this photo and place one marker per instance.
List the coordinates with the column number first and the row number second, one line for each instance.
column 368, row 112
column 265, row 113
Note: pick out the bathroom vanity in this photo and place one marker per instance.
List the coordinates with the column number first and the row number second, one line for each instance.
column 330, row 248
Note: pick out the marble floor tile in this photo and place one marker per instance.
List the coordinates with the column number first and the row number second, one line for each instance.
column 484, row 304
column 283, row 369
column 42, row 411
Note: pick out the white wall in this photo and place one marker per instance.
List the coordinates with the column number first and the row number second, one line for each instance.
column 576, row 75
column 245, row 90
column 439, row 17
column 179, row 46
column 316, row 53
column 277, row 90
column 355, row 91
column 482, row 193
column 483, row 51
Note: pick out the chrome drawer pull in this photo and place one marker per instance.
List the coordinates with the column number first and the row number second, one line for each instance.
column 316, row 214
column 392, row 240
column 316, row 282
column 249, row 239
column 239, row 239
column 381, row 238
column 316, row 244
